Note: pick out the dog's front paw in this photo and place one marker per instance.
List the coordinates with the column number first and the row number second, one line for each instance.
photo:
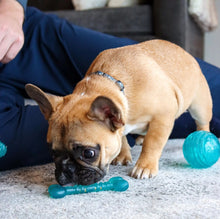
column 123, row 159
column 141, row 171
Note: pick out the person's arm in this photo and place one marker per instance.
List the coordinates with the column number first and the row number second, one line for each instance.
column 11, row 33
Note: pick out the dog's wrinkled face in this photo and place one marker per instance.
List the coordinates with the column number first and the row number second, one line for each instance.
column 82, row 150
column 84, row 135
column 76, row 166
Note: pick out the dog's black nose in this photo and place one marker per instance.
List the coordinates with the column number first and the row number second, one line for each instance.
column 65, row 171
column 61, row 178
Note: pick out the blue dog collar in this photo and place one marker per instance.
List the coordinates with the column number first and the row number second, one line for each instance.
column 117, row 82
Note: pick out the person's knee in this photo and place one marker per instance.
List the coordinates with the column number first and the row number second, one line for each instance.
column 23, row 130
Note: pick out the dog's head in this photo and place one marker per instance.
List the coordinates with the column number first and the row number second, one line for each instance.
column 84, row 133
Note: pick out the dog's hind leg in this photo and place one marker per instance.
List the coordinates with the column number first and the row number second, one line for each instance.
column 201, row 106
column 139, row 140
column 124, row 157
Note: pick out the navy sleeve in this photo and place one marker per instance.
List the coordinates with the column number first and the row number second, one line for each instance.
column 23, row 3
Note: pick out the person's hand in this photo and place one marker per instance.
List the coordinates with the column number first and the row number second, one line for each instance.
column 11, row 33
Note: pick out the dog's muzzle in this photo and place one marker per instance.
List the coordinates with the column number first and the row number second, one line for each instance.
column 69, row 171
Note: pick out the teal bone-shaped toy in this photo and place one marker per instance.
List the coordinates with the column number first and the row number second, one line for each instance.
column 114, row 184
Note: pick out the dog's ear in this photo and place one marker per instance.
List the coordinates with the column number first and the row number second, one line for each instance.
column 46, row 102
column 104, row 110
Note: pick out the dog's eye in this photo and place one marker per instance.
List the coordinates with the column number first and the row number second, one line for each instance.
column 88, row 153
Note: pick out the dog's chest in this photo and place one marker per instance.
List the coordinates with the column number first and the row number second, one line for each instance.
column 139, row 128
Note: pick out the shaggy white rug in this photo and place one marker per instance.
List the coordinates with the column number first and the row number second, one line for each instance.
column 177, row 192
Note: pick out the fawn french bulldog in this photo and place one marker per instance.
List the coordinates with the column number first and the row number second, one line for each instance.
column 138, row 89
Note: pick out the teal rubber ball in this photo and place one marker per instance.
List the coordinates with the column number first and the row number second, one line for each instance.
column 201, row 149
column 3, row 149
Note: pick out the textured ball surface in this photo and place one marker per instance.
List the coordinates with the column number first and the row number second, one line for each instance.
column 3, row 149
column 201, row 149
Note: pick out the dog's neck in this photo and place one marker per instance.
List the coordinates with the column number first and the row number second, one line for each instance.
column 117, row 82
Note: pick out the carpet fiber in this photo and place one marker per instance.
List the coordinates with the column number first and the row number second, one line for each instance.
column 177, row 192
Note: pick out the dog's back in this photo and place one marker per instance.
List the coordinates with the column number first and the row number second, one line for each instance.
column 153, row 69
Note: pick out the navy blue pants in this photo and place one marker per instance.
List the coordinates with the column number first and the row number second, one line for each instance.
column 55, row 56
